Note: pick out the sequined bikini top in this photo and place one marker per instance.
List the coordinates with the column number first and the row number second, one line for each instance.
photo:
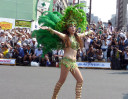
column 74, row 43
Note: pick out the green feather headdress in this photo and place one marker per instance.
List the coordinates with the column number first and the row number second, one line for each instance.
column 73, row 14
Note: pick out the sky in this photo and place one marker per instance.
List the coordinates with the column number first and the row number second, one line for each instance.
column 103, row 8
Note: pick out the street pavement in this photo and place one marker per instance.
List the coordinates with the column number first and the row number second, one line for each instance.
column 20, row 82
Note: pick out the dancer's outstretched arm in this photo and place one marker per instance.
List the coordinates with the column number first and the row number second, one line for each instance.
column 81, row 35
column 61, row 35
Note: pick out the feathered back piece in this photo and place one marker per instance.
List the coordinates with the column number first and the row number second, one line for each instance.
column 60, row 23
column 44, row 37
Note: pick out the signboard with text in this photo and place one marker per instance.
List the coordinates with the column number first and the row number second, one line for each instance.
column 94, row 64
column 7, row 23
column 20, row 23
column 7, row 61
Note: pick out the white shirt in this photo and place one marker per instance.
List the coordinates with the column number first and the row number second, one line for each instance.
column 34, row 45
column 87, row 42
column 54, row 52
column 103, row 44
column 110, row 29
column 61, row 52
column 2, row 39
column 108, row 42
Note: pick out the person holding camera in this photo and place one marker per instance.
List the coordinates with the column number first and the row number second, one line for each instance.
column 29, row 53
column 37, row 55
column 18, row 53
column 99, row 55
column 90, row 53
column 104, row 47
column 121, row 43
column 124, row 58
column 97, row 42
column 113, row 42
column 115, row 62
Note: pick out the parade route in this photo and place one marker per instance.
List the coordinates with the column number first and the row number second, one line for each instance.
column 19, row 82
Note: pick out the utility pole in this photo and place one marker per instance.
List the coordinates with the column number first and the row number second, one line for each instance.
column 90, row 7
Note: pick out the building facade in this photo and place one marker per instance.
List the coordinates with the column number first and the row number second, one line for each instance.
column 22, row 12
column 18, row 9
column 121, row 14
column 59, row 5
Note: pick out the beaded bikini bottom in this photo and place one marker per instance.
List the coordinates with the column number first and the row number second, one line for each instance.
column 68, row 63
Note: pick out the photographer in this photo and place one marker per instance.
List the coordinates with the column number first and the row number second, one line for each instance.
column 115, row 62
column 124, row 58
column 99, row 54
column 97, row 43
column 90, row 54
column 121, row 43
column 104, row 47
column 28, row 54
column 113, row 42
column 18, row 53
column 37, row 55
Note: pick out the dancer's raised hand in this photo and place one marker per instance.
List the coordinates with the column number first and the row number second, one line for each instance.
column 44, row 27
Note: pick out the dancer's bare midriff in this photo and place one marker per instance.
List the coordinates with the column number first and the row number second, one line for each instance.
column 70, row 53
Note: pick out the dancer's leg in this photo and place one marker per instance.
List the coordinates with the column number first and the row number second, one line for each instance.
column 63, row 76
column 77, row 75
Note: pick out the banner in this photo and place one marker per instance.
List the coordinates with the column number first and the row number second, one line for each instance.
column 7, row 23
column 94, row 64
column 7, row 61
column 20, row 23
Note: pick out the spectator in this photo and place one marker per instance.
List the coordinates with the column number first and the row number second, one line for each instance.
column 79, row 55
column 24, row 40
column 60, row 54
column 91, row 53
column 97, row 43
column 48, row 63
column 2, row 37
column 18, row 53
column 113, row 42
column 6, row 52
column 126, row 41
column 100, row 27
column 37, row 55
column 29, row 53
column 55, row 56
column 33, row 44
column 104, row 48
column 121, row 43
column 126, row 56
column 99, row 54
column 124, row 60
column 105, row 33
column 87, row 42
column 115, row 63
column 110, row 28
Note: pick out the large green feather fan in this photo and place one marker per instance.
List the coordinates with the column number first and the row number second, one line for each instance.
column 45, row 38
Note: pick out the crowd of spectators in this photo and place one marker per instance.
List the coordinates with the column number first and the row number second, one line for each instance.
column 104, row 44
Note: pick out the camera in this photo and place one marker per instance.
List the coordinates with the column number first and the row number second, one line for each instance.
column 105, row 37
